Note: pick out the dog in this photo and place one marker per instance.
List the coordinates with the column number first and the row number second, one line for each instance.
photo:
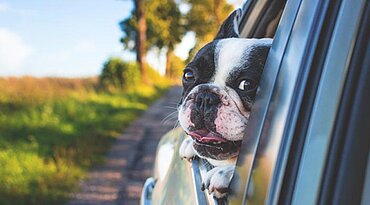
column 219, row 88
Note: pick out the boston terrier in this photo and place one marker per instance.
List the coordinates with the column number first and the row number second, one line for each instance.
column 219, row 87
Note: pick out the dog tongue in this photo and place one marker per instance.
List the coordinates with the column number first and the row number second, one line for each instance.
column 204, row 135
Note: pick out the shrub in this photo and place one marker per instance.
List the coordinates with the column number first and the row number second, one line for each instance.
column 112, row 74
column 132, row 75
column 117, row 74
column 120, row 75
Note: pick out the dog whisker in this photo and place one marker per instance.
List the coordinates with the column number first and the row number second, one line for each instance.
column 168, row 121
column 176, row 124
column 170, row 107
column 169, row 117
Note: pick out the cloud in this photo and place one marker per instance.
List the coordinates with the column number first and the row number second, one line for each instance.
column 4, row 7
column 13, row 52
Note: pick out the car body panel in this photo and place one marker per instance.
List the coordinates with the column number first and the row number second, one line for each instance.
column 173, row 176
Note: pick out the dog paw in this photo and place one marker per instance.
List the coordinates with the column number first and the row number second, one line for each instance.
column 186, row 150
column 217, row 181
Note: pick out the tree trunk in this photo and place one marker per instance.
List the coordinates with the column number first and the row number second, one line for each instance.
column 141, row 37
column 168, row 62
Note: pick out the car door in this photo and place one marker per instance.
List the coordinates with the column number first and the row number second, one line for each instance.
column 287, row 156
column 287, row 151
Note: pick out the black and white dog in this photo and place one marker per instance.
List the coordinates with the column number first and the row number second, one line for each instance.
column 219, row 87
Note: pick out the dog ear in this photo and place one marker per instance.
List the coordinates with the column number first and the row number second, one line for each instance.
column 230, row 27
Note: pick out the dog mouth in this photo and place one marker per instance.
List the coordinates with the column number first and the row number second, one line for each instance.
column 207, row 137
column 213, row 145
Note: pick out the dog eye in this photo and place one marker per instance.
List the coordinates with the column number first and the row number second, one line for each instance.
column 247, row 85
column 188, row 76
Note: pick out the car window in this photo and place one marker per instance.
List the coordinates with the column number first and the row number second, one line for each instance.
column 260, row 20
column 266, row 146
column 248, row 152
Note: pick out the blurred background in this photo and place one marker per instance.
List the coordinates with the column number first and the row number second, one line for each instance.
column 74, row 74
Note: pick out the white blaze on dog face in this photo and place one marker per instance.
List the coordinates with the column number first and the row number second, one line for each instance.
column 229, row 55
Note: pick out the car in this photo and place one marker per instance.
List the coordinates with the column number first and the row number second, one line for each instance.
column 308, row 136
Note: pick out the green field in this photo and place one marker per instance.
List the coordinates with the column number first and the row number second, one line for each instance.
column 53, row 130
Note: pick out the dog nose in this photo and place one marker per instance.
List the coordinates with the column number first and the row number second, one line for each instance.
column 205, row 101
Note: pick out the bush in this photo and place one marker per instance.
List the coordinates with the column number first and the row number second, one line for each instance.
column 120, row 75
column 112, row 74
column 132, row 75
column 117, row 74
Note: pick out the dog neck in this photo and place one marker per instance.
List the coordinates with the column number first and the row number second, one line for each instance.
column 214, row 162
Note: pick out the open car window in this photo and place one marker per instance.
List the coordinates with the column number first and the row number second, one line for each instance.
column 260, row 20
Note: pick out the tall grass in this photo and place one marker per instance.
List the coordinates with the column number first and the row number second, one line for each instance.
column 53, row 130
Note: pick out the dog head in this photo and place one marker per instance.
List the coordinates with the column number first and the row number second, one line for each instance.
column 219, row 87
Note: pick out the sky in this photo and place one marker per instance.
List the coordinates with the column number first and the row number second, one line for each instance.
column 66, row 38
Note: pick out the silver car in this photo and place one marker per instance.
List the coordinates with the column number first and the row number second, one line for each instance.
column 309, row 133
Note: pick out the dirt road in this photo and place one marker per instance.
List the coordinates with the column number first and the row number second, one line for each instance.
column 130, row 160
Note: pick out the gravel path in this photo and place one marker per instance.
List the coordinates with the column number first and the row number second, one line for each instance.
column 130, row 161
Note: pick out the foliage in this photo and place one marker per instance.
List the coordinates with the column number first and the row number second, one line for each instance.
column 176, row 68
column 112, row 73
column 205, row 18
column 117, row 74
column 129, row 28
column 164, row 25
column 53, row 130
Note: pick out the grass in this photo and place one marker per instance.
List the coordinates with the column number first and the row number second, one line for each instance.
column 53, row 130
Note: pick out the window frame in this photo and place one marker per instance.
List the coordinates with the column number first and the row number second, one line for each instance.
column 276, row 127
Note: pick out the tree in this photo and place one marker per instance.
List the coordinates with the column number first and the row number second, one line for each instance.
column 205, row 18
column 165, row 27
column 175, row 68
column 135, row 29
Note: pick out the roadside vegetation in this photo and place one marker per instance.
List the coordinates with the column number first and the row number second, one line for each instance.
column 52, row 130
